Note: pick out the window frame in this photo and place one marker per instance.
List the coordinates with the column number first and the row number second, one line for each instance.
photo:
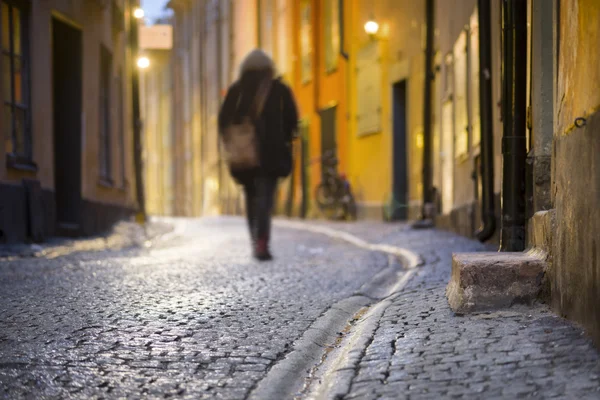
column 15, row 160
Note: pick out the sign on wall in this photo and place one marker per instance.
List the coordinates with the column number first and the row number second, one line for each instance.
column 332, row 33
column 306, row 45
column 156, row 37
column 461, row 116
column 368, row 86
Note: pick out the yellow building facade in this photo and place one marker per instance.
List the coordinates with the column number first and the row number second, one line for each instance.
column 344, row 82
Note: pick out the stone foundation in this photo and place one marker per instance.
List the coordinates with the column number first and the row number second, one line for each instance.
column 96, row 217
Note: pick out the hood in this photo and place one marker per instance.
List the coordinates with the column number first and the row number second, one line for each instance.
column 257, row 60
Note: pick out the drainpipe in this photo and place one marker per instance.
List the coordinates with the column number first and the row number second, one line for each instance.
column 342, row 33
column 487, row 124
column 136, row 120
column 427, row 115
column 514, row 19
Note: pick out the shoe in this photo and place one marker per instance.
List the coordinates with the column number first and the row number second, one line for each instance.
column 261, row 251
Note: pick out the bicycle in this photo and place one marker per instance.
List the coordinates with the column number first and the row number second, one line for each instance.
column 334, row 195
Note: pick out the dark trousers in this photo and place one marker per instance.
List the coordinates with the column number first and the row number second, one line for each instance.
column 260, row 193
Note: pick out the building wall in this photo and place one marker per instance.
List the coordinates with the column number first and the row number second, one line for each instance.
column 156, row 95
column 96, row 25
column 180, row 108
column 325, row 89
column 575, row 276
column 458, row 92
column 204, row 62
column 195, row 58
column 366, row 160
column 401, row 58
column 201, row 51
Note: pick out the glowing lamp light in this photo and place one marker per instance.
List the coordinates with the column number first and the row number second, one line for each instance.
column 143, row 62
column 372, row 27
column 138, row 13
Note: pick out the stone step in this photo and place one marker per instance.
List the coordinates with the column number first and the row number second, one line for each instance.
column 491, row 281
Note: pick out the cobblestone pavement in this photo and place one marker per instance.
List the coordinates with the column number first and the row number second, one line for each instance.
column 420, row 349
column 196, row 319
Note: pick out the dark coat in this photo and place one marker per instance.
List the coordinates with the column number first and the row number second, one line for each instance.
column 275, row 126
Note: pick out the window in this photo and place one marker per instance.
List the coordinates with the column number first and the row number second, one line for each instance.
column 15, row 70
column 104, row 117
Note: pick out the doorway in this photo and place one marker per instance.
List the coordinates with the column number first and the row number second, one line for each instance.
column 67, row 98
column 399, row 201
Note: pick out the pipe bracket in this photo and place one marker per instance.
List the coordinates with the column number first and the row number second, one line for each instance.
column 580, row 122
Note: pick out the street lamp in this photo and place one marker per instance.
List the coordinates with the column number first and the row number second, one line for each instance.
column 143, row 62
column 371, row 27
column 138, row 13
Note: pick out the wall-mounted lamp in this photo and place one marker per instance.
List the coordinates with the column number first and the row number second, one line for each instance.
column 143, row 62
column 138, row 13
column 371, row 27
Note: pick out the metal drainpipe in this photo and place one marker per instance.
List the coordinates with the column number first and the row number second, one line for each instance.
column 136, row 120
column 486, row 121
column 514, row 18
column 427, row 115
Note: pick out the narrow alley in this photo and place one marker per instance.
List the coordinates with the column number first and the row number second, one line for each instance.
column 300, row 199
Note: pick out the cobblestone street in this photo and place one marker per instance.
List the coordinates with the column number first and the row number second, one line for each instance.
column 197, row 318
column 416, row 348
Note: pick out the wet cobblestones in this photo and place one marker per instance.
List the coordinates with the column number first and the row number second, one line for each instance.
column 421, row 350
column 198, row 320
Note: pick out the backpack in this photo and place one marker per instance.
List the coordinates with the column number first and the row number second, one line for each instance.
column 240, row 140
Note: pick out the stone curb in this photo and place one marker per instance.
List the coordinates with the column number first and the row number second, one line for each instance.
column 291, row 376
column 335, row 378
column 409, row 259
column 288, row 377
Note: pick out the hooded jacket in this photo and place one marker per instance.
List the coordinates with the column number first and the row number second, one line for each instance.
column 277, row 122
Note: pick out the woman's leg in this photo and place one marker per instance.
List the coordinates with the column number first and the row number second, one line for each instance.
column 271, row 184
column 265, row 191
column 250, row 197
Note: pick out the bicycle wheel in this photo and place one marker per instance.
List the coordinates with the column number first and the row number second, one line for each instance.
column 324, row 196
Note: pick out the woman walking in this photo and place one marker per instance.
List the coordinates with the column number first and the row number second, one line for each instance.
column 257, row 122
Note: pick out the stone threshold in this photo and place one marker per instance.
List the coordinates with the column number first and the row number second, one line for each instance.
column 489, row 281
